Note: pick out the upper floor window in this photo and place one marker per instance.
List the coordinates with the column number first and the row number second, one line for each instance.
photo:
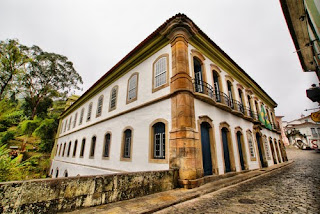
column 89, row 112
column 240, row 95
column 107, row 140
column 75, row 148
column 99, row 107
column 60, row 149
column 65, row 126
column 197, row 67
column 81, row 116
column 132, row 88
column 69, row 125
column 313, row 131
column 83, row 144
column 64, row 149
column 159, row 139
column 75, row 120
column 257, row 108
column 216, row 85
column 160, row 73
column 113, row 98
column 61, row 128
column 229, row 84
column 57, row 149
column 93, row 146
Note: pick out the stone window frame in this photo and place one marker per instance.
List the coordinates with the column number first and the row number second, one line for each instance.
column 250, row 135
column 75, row 120
column 93, row 146
column 99, row 106
column 64, row 149
column 70, row 121
column 154, row 89
column 267, row 149
column 57, row 172
column 273, row 153
column 104, row 145
column 89, row 113
column 116, row 87
column 81, row 116
column 122, row 158
column 196, row 54
column 213, row 143
column 243, row 147
column 75, row 146
column 82, row 147
column 151, row 142
column 280, row 150
column 60, row 150
column 136, row 88
column 69, row 149
column 222, row 125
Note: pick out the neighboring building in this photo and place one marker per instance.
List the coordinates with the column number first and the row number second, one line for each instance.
column 303, row 20
column 281, row 127
column 303, row 132
column 175, row 101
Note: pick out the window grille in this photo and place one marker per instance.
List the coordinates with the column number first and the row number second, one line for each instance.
column 160, row 69
column 159, row 141
column 75, row 120
column 113, row 99
column 81, row 116
column 89, row 112
column 107, row 145
column 127, row 144
column 132, row 88
column 99, row 107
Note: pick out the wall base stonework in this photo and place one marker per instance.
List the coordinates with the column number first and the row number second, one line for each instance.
column 63, row 194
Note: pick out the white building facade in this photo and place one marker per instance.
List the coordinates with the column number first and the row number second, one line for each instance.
column 303, row 133
column 175, row 101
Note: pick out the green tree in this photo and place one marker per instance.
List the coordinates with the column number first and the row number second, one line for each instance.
column 48, row 75
column 46, row 132
column 12, row 58
column 10, row 169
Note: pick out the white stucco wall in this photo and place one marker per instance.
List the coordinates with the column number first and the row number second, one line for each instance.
column 139, row 120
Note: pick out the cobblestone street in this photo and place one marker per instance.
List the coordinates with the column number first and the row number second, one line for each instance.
column 295, row 189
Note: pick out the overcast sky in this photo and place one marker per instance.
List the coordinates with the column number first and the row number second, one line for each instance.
column 95, row 35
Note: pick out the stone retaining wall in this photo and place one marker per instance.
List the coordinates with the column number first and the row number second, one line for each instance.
column 63, row 194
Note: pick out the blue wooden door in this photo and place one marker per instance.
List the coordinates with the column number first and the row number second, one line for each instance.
column 240, row 151
column 226, row 150
column 260, row 150
column 206, row 149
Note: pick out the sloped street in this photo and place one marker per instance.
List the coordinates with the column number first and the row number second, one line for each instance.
column 295, row 189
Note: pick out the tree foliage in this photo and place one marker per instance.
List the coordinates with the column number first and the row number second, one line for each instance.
column 12, row 58
column 48, row 75
column 46, row 132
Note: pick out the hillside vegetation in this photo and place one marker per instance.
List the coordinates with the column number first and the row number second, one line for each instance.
column 34, row 85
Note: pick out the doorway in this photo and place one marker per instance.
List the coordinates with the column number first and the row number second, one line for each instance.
column 226, row 154
column 239, row 140
column 206, row 148
column 261, row 152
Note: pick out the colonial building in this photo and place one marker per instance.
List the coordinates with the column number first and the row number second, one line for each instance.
column 175, row 101
column 303, row 132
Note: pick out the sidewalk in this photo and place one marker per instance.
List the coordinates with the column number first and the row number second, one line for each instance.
column 158, row 201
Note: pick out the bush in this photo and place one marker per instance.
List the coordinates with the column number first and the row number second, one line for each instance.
column 46, row 132
column 6, row 136
column 27, row 127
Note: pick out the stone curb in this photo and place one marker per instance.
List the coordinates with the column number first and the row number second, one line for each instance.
column 179, row 195
column 237, row 181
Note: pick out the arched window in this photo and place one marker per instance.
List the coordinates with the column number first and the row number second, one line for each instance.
column 132, row 88
column 66, row 173
column 257, row 108
column 159, row 141
column 75, row 120
column 75, row 148
column 57, row 149
column 99, row 107
column 230, row 93
column 81, row 116
column 60, row 149
column 83, row 144
column 216, row 85
column 69, row 125
column 241, row 100
column 65, row 126
column 197, row 67
column 160, row 73
column 69, row 148
column 107, row 141
column 93, row 146
column 57, row 172
column 61, row 129
column 113, row 98
column 64, row 148
column 89, row 112
column 127, row 144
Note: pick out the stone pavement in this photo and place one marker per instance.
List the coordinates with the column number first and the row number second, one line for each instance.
column 167, row 199
column 295, row 189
